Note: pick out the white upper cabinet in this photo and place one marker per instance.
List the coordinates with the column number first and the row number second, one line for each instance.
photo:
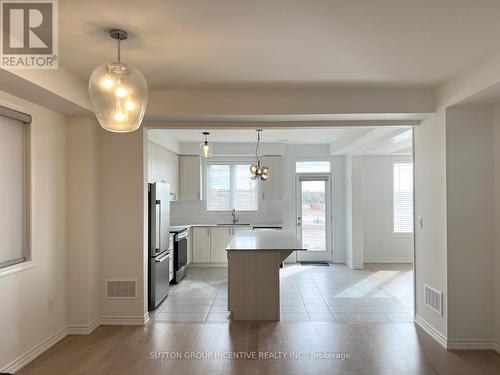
column 163, row 165
column 190, row 177
column 151, row 162
column 272, row 188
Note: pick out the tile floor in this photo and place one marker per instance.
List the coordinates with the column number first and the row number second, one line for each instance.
column 381, row 293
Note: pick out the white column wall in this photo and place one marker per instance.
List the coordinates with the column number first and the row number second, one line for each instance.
column 469, row 196
column 430, row 204
column 496, row 232
column 84, row 279
column 354, row 211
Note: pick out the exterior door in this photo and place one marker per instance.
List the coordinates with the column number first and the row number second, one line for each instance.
column 313, row 221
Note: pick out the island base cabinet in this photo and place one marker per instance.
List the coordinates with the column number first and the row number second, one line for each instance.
column 254, row 285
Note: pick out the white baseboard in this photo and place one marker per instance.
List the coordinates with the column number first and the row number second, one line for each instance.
column 34, row 352
column 481, row 344
column 124, row 320
column 84, row 329
column 76, row 329
column 388, row 260
column 496, row 346
column 457, row 344
column 431, row 331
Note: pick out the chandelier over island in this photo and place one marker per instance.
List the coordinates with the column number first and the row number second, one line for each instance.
column 257, row 170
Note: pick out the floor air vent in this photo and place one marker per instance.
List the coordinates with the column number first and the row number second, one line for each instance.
column 121, row 288
column 433, row 299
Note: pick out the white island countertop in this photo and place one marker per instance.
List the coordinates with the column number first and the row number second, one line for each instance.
column 264, row 240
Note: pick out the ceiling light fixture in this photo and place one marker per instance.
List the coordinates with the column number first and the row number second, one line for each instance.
column 205, row 147
column 118, row 93
column 257, row 170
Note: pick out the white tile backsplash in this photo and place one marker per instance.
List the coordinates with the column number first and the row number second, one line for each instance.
column 194, row 212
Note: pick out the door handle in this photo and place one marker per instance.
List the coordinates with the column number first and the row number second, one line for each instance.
column 299, row 220
column 158, row 225
column 159, row 260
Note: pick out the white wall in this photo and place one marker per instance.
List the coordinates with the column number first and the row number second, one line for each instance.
column 122, row 194
column 379, row 243
column 455, row 195
column 496, row 221
column 339, row 209
column 84, row 279
column 430, row 203
column 469, row 195
column 234, row 148
column 26, row 317
column 159, row 137
column 354, row 211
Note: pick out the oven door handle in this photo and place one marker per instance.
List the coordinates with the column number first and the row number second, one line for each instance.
column 181, row 236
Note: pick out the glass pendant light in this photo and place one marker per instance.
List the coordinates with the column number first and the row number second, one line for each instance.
column 257, row 170
column 118, row 93
column 205, row 147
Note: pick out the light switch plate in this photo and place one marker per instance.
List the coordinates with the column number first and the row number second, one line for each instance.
column 420, row 222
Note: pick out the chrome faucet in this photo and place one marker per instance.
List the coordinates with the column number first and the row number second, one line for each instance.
column 235, row 220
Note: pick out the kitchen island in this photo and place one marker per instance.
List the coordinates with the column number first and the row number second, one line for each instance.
column 254, row 259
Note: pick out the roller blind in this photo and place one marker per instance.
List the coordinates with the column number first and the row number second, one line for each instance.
column 403, row 197
column 13, row 191
column 229, row 187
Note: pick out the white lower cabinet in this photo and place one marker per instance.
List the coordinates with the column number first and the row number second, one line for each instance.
column 201, row 244
column 208, row 244
column 219, row 239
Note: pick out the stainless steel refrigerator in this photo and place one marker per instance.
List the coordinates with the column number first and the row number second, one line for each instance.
column 160, row 244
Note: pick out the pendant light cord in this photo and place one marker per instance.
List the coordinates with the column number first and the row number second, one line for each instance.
column 119, row 51
column 257, row 146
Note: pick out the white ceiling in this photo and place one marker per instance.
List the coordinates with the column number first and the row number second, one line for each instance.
column 353, row 141
column 281, row 43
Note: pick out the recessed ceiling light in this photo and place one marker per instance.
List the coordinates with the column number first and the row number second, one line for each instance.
column 282, row 140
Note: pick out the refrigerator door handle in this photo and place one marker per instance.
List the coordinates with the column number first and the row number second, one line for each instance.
column 158, row 226
column 161, row 259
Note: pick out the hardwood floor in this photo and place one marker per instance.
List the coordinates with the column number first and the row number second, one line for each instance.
column 332, row 311
column 373, row 349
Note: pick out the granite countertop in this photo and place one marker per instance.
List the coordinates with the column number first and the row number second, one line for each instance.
column 264, row 240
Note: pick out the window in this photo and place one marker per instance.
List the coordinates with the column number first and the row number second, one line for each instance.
column 229, row 187
column 312, row 167
column 13, row 192
column 403, row 198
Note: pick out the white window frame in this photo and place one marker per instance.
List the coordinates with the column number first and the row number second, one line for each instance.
column 311, row 160
column 394, row 162
column 27, row 262
column 225, row 161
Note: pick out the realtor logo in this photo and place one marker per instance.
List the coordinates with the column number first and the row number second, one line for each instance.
column 29, row 35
